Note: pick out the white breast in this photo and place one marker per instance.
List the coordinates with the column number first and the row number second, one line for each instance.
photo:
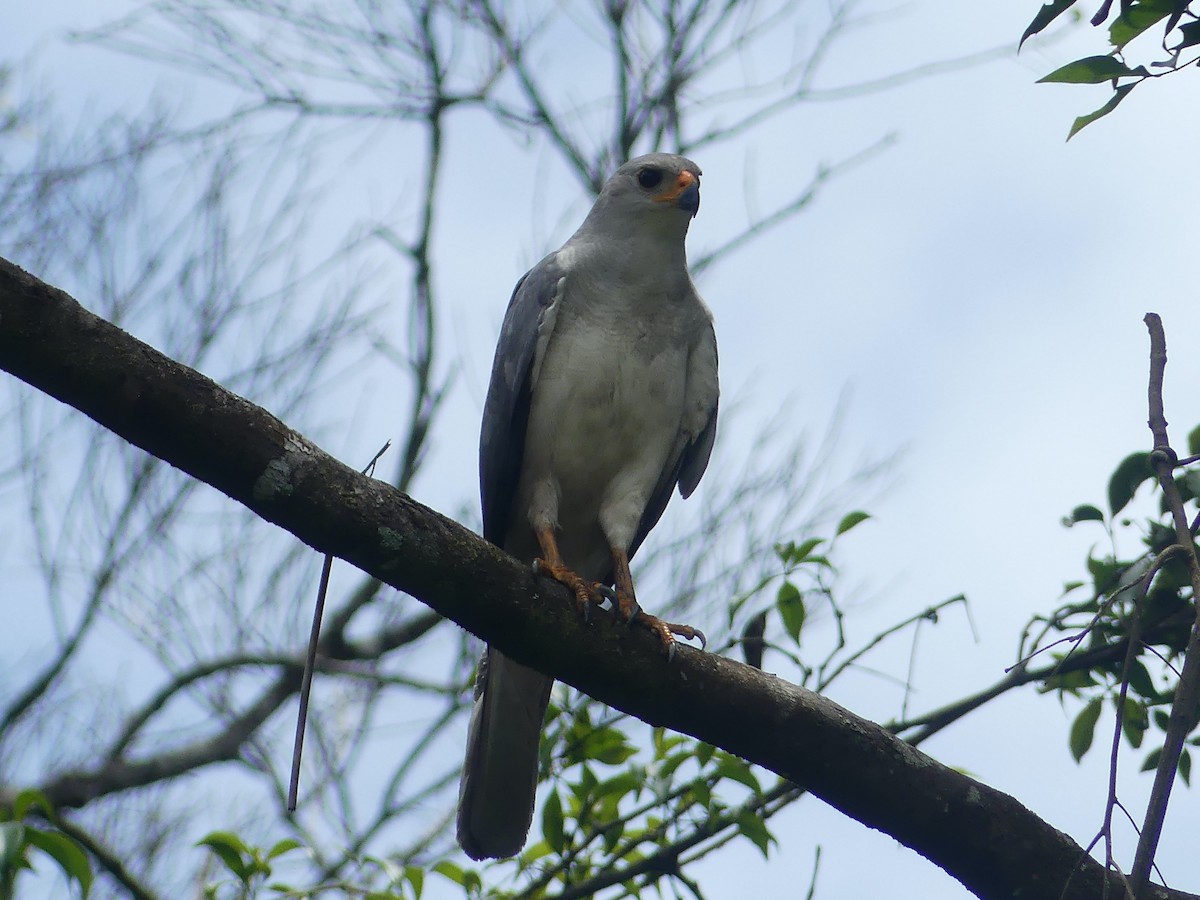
column 605, row 414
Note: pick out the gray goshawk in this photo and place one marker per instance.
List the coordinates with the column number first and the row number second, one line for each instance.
column 603, row 399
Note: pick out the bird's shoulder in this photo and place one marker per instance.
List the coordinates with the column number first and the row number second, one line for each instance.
column 538, row 287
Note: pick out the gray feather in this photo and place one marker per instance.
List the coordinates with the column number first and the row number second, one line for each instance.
column 506, row 410
column 499, row 781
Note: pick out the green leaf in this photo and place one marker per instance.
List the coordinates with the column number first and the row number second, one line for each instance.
column 1191, row 482
column 225, row 839
column 1083, row 513
column 1071, row 681
column 604, row 812
column 1140, row 681
column 27, row 800
column 1161, row 719
column 1151, row 761
column 614, row 831
column 582, row 789
column 1137, row 18
column 667, row 769
column 701, row 793
column 1188, row 485
column 1082, row 122
column 231, row 850
column 451, row 871
column 12, row 847
column 392, row 871
column 1045, row 16
column 794, row 554
column 737, row 769
column 1083, row 728
column 616, row 753
column 284, row 846
column 665, row 741
column 791, row 609
column 751, row 825
column 1129, row 475
column 619, row 786
column 1104, row 573
column 1185, row 767
column 851, row 519
column 606, row 745
column 1134, row 722
column 1091, row 70
column 71, row 857
column 552, row 823
column 1194, row 435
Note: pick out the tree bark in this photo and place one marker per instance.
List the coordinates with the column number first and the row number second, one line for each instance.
column 984, row 838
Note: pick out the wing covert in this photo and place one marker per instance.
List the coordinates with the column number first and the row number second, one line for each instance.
column 506, row 410
column 689, row 457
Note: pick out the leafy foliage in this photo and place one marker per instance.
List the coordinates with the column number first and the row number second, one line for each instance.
column 22, row 831
column 1180, row 24
column 1151, row 586
column 249, row 872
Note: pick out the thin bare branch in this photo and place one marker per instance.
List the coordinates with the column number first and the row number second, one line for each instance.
column 1187, row 692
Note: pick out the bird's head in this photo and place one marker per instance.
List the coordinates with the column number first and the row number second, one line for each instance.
column 660, row 180
column 660, row 190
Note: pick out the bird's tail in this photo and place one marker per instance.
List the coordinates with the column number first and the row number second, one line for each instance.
column 499, row 779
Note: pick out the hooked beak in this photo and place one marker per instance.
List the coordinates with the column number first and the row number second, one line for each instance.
column 685, row 193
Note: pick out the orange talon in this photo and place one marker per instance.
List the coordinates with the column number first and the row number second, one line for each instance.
column 629, row 611
column 585, row 591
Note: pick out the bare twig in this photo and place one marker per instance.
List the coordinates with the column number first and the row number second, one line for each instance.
column 1183, row 709
column 1132, row 651
column 310, row 659
column 930, row 613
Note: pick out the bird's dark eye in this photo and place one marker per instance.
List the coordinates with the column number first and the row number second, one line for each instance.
column 650, row 178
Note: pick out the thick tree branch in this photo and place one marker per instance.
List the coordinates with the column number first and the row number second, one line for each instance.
column 984, row 838
column 116, row 773
column 78, row 788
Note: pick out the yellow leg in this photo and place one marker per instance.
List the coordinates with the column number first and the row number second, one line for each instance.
column 551, row 563
column 629, row 610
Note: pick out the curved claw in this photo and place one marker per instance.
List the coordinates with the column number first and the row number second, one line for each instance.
column 606, row 592
column 586, row 592
column 687, row 632
column 668, row 630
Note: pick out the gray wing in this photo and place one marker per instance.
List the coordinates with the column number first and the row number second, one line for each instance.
column 506, row 410
column 500, row 771
column 685, row 465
